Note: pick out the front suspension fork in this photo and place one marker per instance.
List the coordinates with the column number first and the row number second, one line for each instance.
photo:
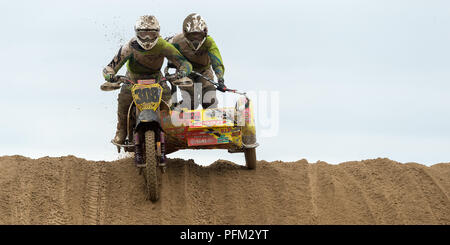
column 138, row 152
column 161, row 150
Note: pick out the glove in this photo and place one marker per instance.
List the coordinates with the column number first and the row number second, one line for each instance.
column 221, row 87
column 110, row 78
column 180, row 74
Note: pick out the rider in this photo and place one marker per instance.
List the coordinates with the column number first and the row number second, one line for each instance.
column 200, row 49
column 145, row 55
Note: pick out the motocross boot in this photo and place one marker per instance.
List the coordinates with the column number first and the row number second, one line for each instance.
column 139, row 157
column 124, row 99
column 121, row 132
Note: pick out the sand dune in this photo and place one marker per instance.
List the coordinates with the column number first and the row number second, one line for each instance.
column 69, row 190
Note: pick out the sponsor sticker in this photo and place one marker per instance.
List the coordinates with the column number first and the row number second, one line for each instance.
column 202, row 140
column 147, row 82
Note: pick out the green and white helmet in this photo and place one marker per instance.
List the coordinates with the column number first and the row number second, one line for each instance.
column 147, row 31
column 195, row 26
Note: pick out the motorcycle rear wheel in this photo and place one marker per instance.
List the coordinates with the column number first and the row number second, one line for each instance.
column 250, row 158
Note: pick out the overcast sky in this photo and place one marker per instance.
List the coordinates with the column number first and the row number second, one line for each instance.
column 356, row 79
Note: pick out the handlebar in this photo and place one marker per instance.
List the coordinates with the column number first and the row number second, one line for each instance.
column 119, row 79
column 123, row 79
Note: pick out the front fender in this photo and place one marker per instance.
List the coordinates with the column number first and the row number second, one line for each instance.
column 148, row 117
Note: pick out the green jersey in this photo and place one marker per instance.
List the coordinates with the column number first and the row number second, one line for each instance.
column 207, row 55
column 146, row 62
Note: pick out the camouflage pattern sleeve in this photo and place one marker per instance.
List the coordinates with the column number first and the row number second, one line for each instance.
column 170, row 40
column 216, row 58
column 121, row 57
column 175, row 57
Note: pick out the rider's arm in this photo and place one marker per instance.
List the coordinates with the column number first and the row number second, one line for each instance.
column 114, row 66
column 216, row 58
column 170, row 40
column 175, row 57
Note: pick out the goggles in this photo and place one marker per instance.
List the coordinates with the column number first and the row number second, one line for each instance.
column 147, row 34
column 195, row 36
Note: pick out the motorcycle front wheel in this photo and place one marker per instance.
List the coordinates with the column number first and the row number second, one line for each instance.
column 152, row 170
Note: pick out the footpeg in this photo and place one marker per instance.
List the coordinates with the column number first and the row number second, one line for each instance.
column 122, row 145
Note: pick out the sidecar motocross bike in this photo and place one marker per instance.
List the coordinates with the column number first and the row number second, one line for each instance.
column 155, row 128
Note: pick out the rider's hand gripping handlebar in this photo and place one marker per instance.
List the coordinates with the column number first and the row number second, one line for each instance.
column 118, row 80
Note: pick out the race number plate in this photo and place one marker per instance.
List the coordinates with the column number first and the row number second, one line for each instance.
column 147, row 97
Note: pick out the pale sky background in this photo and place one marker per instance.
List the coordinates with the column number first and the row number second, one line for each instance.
column 356, row 79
